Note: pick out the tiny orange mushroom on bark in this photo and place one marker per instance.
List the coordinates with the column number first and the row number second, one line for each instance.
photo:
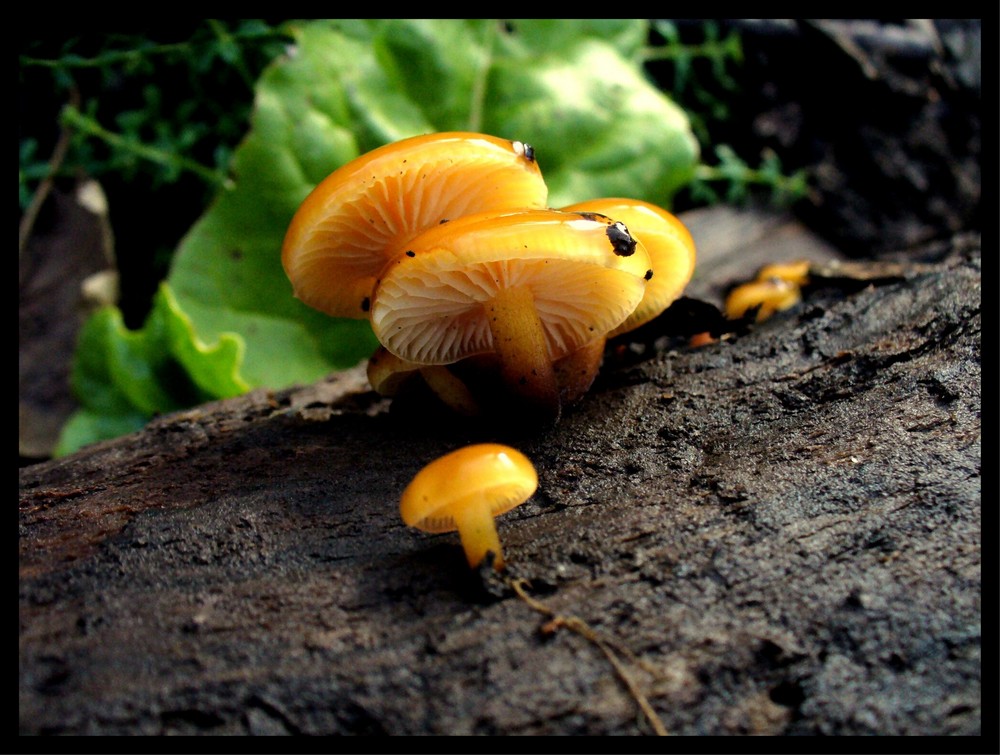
column 464, row 490
column 765, row 296
column 777, row 286
column 795, row 271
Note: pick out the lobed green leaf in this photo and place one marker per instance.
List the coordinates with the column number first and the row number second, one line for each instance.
column 226, row 320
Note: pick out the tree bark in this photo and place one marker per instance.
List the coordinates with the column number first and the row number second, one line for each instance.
column 776, row 533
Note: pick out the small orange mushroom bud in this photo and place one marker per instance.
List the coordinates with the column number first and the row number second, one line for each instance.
column 468, row 387
column 387, row 374
column 464, row 490
column 796, row 272
column 766, row 296
column 701, row 339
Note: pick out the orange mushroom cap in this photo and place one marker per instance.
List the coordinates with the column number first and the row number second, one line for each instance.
column 669, row 243
column 464, row 490
column 362, row 214
column 795, row 271
column 531, row 286
column 431, row 304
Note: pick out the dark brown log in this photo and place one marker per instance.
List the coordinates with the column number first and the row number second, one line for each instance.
column 777, row 533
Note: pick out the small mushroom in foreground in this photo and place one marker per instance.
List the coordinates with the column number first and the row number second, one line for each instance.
column 464, row 490
column 528, row 288
column 361, row 215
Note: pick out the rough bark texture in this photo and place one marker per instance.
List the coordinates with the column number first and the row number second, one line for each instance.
column 777, row 533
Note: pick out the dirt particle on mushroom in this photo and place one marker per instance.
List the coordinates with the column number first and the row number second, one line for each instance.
column 525, row 150
column 621, row 240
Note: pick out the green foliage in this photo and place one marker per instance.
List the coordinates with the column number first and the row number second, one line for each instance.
column 173, row 124
column 739, row 178
column 225, row 320
column 702, row 103
column 123, row 377
column 702, row 81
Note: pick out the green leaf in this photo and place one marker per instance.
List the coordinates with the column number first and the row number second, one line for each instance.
column 94, row 368
column 213, row 369
column 557, row 36
column 435, row 65
column 227, row 321
column 85, row 427
column 123, row 377
column 102, row 382
column 598, row 126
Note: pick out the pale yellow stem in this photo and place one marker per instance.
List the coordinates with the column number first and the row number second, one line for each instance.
column 519, row 341
column 478, row 533
column 450, row 389
column 575, row 372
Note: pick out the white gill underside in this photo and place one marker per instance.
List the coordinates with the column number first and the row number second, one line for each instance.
column 365, row 233
column 444, row 321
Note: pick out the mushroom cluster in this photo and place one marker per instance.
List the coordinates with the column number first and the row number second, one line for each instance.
column 472, row 285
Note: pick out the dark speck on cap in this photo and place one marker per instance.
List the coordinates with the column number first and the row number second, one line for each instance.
column 621, row 240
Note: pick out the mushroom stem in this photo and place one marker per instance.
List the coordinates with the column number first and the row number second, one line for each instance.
column 450, row 389
column 519, row 341
column 478, row 533
column 576, row 372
